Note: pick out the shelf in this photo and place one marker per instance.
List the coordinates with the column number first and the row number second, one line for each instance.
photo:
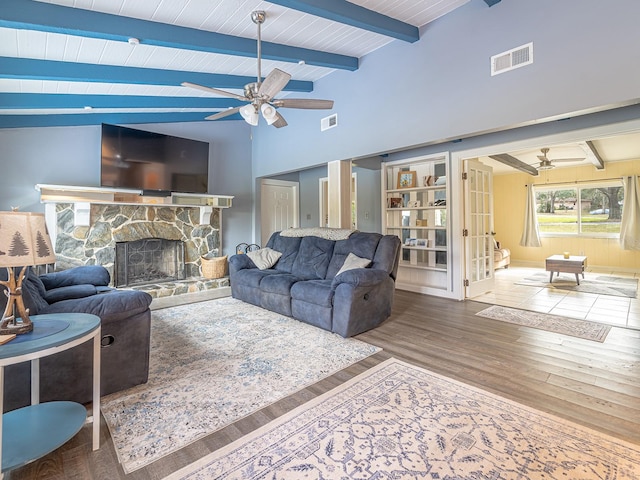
column 430, row 249
column 32, row 432
column 423, row 267
column 416, row 228
column 399, row 209
column 418, row 189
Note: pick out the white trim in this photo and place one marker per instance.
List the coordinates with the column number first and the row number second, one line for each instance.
column 321, row 214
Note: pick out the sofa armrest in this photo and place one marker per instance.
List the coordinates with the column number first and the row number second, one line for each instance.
column 112, row 306
column 360, row 277
column 70, row 292
column 86, row 274
column 240, row 262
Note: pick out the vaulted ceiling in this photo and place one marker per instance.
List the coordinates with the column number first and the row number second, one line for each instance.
column 83, row 62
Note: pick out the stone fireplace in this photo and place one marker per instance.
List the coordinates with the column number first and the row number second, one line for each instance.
column 112, row 224
column 149, row 260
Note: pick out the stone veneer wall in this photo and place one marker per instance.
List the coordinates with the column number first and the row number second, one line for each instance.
column 95, row 244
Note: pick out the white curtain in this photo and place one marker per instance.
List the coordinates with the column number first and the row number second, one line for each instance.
column 530, row 233
column 630, row 226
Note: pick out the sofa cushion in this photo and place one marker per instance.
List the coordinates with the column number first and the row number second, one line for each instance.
column 279, row 283
column 84, row 274
column 353, row 261
column 264, row 258
column 362, row 244
column 313, row 258
column 289, row 247
column 72, row 291
column 317, row 292
column 387, row 255
column 251, row 277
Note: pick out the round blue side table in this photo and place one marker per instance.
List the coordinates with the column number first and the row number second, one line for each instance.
column 31, row 432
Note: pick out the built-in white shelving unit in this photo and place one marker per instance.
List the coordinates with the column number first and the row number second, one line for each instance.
column 416, row 203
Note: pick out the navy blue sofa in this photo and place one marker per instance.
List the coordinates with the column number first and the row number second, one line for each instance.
column 303, row 283
column 126, row 332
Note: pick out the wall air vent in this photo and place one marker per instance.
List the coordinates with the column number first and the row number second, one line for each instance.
column 329, row 122
column 514, row 58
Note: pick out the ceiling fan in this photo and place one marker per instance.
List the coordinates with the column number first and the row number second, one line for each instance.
column 546, row 163
column 260, row 94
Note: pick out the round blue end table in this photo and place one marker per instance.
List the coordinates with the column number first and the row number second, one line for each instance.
column 31, row 432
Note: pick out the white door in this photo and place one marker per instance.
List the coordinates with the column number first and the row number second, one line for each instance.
column 278, row 207
column 478, row 236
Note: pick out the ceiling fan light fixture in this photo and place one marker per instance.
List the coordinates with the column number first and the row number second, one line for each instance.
column 269, row 113
column 249, row 114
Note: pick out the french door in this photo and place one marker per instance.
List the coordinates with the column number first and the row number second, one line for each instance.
column 478, row 228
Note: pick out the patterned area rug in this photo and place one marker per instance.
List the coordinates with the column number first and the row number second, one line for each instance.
column 400, row 421
column 600, row 284
column 213, row 363
column 574, row 327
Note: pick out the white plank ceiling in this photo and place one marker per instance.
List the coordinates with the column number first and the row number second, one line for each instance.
column 230, row 17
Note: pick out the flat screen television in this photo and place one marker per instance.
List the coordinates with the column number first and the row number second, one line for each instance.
column 152, row 162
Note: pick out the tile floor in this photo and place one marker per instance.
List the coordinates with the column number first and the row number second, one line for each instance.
column 613, row 310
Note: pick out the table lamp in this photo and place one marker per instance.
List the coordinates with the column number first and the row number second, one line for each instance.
column 24, row 241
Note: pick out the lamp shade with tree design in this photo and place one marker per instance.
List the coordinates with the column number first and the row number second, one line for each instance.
column 24, row 242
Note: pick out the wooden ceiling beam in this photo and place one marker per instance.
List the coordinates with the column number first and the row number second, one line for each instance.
column 513, row 162
column 51, row 18
column 356, row 16
column 592, row 154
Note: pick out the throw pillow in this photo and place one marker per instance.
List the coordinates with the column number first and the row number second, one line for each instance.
column 353, row 261
column 264, row 257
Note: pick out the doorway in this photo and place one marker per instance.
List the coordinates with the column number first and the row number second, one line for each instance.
column 323, row 189
column 279, row 206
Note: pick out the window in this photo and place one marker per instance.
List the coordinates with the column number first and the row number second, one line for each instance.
column 593, row 210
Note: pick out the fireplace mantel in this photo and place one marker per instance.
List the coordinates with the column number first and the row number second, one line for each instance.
column 127, row 196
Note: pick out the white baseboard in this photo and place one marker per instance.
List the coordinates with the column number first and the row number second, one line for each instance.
column 185, row 298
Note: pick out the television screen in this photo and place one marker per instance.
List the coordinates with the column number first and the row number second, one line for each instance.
column 152, row 161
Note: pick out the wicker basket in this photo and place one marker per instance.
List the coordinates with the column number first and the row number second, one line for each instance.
column 214, row 267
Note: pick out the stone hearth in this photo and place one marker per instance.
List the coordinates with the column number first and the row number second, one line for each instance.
column 95, row 244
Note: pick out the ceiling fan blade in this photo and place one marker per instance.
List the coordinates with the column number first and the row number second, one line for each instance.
column 273, row 83
column 215, row 91
column 308, row 103
column 224, row 113
column 280, row 122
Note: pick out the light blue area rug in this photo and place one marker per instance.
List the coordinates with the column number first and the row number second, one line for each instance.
column 213, row 363
column 593, row 283
column 398, row 421
column 574, row 327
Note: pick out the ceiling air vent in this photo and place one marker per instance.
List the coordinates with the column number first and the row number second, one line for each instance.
column 514, row 58
column 329, row 122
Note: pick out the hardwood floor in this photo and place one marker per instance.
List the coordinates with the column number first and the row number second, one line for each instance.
column 594, row 384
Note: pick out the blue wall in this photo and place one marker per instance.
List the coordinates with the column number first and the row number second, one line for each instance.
column 403, row 96
column 71, row 156
column 56, row 155
column 440, row 88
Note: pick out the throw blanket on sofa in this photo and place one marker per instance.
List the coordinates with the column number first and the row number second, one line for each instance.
column 327, row 233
